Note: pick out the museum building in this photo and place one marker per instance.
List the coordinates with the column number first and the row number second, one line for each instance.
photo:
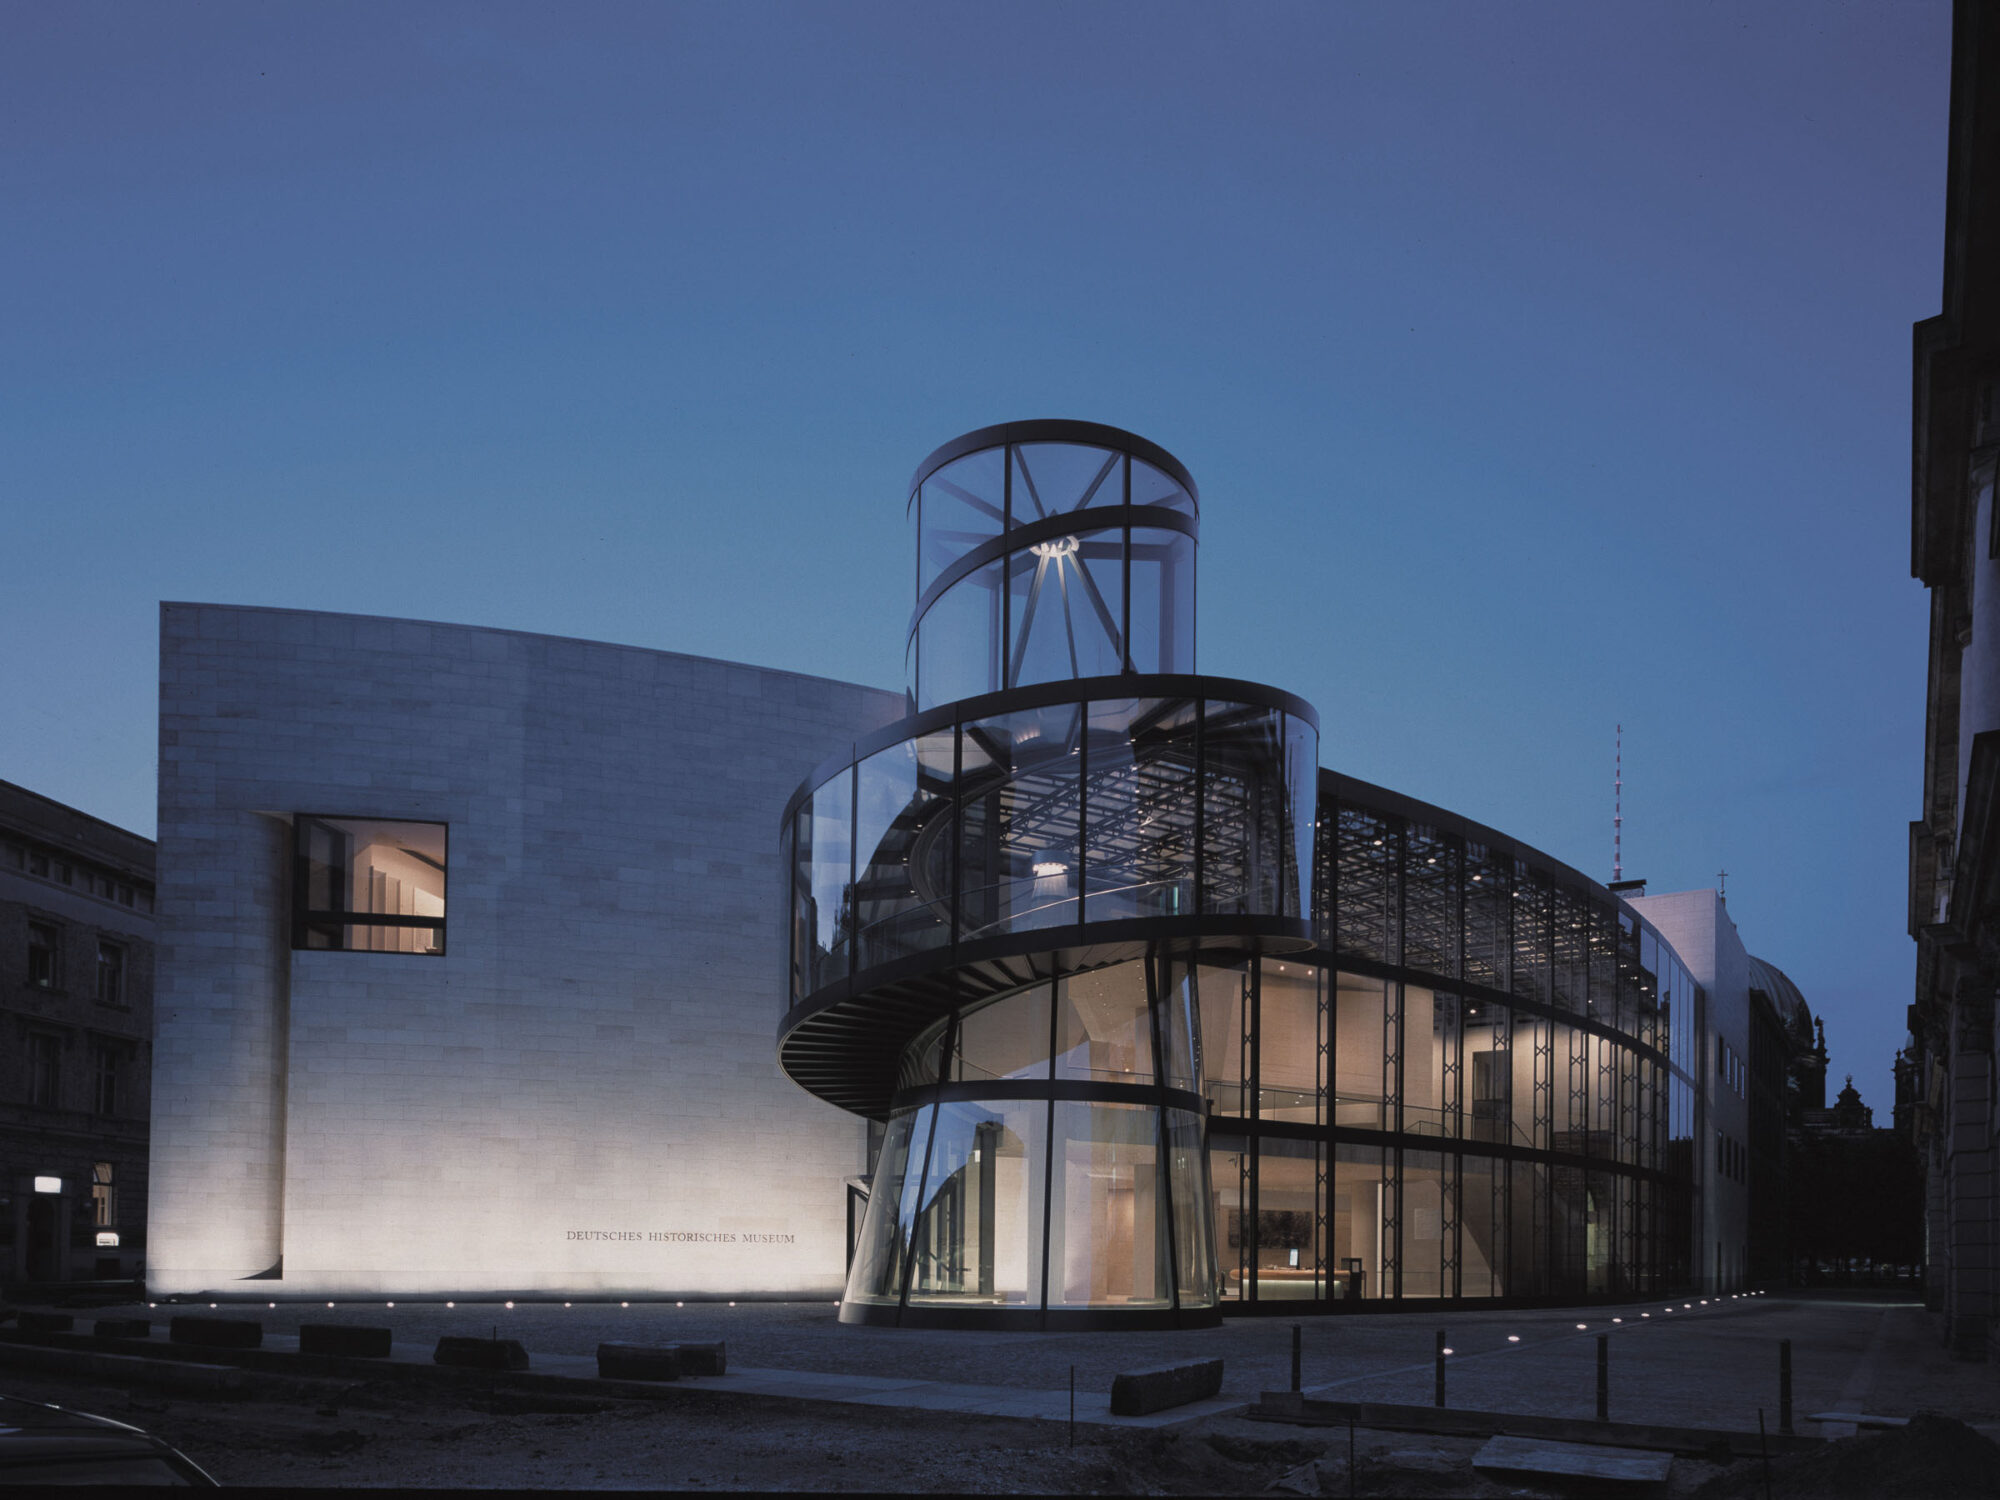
column 1102, row 1004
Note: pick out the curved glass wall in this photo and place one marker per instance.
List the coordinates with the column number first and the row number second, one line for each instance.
column 1048, row 561
column 1046, row 1154
column 1096, row 810
column 1477, row 1087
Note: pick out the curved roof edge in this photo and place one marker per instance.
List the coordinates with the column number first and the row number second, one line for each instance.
column 1775, row 982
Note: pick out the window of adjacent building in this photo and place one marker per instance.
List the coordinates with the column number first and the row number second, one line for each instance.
column 103, row 1195
column 105, row 1078
column 44, row 955
column 44, row 1070
column 38, row 863
column 110, row 974
column 368, row 885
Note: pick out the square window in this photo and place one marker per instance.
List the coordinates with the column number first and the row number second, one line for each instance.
column 368, row 885
column 44, row 955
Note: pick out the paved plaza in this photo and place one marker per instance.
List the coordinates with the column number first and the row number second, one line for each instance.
column 1681, row 1362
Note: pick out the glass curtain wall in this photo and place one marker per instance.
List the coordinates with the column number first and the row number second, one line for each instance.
column 1016, row 822
column 1470, row 1092
column 1047, row 1152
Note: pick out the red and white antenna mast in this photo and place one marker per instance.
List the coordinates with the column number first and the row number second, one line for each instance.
column 1618, row 808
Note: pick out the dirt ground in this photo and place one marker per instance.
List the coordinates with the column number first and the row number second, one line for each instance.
column 396, row 1434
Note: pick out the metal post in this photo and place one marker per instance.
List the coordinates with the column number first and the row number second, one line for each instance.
column 1604, row 1377
column 1438, row 1400
column 1072, row 1406
column 1785, row 1386
column 1298, row 1335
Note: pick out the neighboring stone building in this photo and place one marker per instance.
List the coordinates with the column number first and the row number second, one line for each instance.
column 1949, row 1072
column 76, row 1024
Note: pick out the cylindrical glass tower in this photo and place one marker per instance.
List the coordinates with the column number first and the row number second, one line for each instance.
column 1001, row 908
column 1049, row 551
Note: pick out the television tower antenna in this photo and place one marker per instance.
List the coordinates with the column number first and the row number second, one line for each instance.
column 1618, row 809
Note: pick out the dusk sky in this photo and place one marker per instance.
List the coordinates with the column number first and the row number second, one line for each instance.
column 1543, row 368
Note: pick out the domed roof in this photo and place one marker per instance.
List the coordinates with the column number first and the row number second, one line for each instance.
column 1791, row 1005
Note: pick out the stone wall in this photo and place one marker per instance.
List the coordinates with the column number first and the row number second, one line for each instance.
column 582, row 1094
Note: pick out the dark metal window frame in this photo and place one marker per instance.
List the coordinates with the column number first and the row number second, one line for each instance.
column 305, row 917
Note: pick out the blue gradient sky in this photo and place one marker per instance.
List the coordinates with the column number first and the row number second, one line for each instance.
column 1543, row 367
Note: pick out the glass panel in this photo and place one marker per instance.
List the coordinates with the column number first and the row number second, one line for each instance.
column 902, row 892
column 1431, row 1062
column 1150, row 486
column 1574, row 1084
column 1162, row 601
column 959, row 640
column 1103, row 1026
column 1489, row 1073
column 918, row 1066
column 1367, row 900
column 1180, row 1025
column 1064, row 598
column 1140, row 851
column 1229, row 1185
column 1532, row 896
column 1600, row 1234
column 1354, row 1223
column 1108, row 1245
column 979, row 1232
column 1302, row 793
column 1482, row 1249
column 1488, row 936
column 832, row 876
column 962, row 507
column 1018, row 821
column 877, row 1273
column 1225, row 999
column 1288, row 1042
column 1424, row 1221
column 1572, row 948
column 1430, row 902
column 1005, row 1039
column 1603, row 998
column 1187, row 1177
column 1527, row 1237
column 1054, row 478
column 1288, row 1213
column 1534, row 1063
column 1360, row 1016
column 1568, row 1232
column 799, row 944
column 1245, row 810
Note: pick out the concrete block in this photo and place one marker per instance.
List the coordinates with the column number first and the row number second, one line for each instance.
column 217, row 1333
column 622, row 1361
column 1138, row 1392
column 702, row 1359
column 345, row 1339
column 44, row 1322
column 480, row 1354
